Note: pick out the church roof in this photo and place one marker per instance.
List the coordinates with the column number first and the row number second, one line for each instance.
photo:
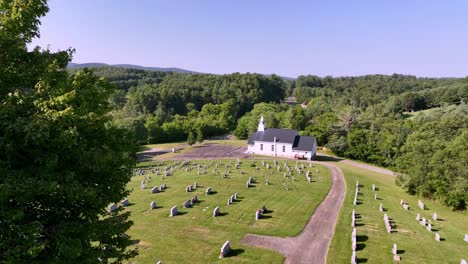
column 282, row 136
column 304, row 143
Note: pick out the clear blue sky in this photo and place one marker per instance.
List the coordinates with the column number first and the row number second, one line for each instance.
column 339, row 38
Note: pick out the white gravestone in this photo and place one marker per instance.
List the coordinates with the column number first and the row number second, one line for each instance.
column 437, row 237
column 418, row 216
column 429, row 227
column 225, row 249
column 216, row 212
column 124, row 202
column 434, row 216
column 466, row 238
column 208, row 191
column 258, row 214
column 394, row 249
column 155, row 189
column 187, row 204
column 153, row 205
column 174, row 211
column 143, row 186
column 112, row 207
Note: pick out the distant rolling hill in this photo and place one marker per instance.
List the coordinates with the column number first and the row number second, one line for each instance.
column 72, row 65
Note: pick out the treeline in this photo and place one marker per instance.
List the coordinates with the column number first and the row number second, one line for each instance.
column 164, row 107
column 407, row 93
column 429, row 148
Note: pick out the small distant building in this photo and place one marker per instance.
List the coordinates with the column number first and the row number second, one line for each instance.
column 281, row 142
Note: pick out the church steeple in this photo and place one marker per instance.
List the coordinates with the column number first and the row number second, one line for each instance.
column 261, row 124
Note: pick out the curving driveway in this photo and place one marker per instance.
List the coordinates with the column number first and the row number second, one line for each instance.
column 311, row 245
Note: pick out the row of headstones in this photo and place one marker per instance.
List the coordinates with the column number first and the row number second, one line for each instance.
column 428, row 224
column 353, row 244
column 157, row 189
column 112, row 207
column 232, row 199
column 191, row 188
column 356, row 193
column 387, row 224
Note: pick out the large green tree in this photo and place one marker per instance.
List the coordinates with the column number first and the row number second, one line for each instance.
column 61, row 160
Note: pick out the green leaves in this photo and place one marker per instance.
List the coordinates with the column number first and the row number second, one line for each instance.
column 62, row 161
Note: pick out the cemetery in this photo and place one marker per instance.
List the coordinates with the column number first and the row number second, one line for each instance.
column 392, row 226
column 207, row 206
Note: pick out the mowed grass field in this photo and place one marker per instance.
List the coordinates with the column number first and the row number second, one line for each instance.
column 415, row 244
column 195, row 236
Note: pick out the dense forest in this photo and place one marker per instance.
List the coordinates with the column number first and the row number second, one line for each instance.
column 417, row 126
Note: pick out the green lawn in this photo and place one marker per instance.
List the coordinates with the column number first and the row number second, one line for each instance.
column 196, row 237
column 417, row 245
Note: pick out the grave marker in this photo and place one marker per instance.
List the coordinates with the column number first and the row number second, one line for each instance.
column 437, row 237
column 258, row 214
column 112, row 207
column 394, row 249
column 187, row 204
column 216, row 212
column 153, row 205
column 173, row 211
column 225, row 249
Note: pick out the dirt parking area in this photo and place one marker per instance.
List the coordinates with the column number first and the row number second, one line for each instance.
column 210, row 151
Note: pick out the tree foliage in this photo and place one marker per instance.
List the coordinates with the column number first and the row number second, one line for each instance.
column 61, row 162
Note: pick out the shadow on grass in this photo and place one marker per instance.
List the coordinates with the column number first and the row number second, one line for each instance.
column 360, row 246
column 133, row 242
column 361, row 260
column 362, row 238
column 401, row 251
column 236, row 252
column 222, row 214
column 181, row 213
column 360, row 224
column 327, row 158
column 213, row 193
column 268, row 211
column 266, row 217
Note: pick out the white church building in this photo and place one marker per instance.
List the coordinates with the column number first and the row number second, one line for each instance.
column 281, row 142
